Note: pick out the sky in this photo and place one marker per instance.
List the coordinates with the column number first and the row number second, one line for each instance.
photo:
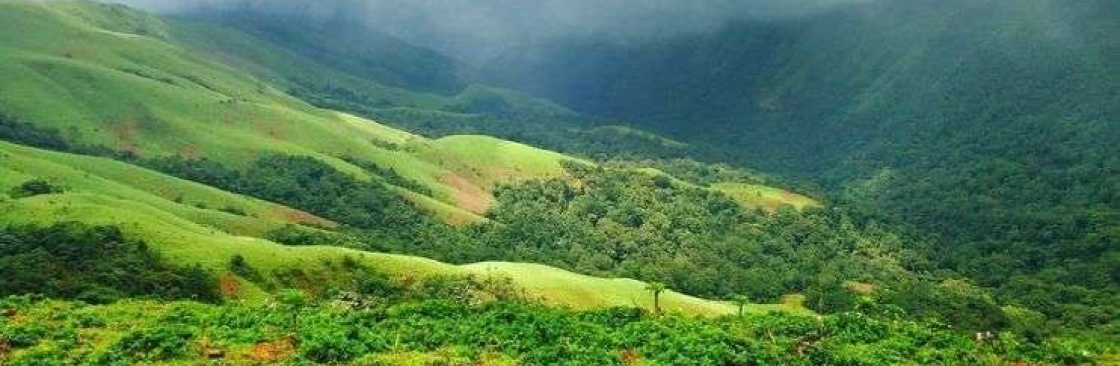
column 477, row 28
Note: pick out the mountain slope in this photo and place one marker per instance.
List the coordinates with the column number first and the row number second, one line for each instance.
column 170, row 214
column 130, row 90
column 109, row 77
column 989, row 126
column 349, row 46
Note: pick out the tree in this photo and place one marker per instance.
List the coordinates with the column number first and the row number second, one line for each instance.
column 293, row 302
column 35, row 187
column 741, row 301
column 656, row 288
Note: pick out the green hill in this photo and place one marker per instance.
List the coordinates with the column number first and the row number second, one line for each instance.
column 111, row 76
column 189, row 223
column 990, row 126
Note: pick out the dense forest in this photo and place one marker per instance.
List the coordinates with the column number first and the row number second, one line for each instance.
column 983, row 131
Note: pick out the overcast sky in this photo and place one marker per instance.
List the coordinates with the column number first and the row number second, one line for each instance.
column 458, row 26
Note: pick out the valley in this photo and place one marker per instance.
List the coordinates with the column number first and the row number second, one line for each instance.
column 243, row 186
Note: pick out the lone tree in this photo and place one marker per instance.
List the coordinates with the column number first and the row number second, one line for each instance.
column 293, row 301
column 741, row 301
column 656, row 288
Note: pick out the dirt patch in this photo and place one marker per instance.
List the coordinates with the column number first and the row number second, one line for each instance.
column 124, row 134
column 275, row 351
column 229, row 286
column 860, row 288
column 301, row 217
column 468, row 196
column 189, row 152
column 272, row 130
column 5, row 348
column 629, row 356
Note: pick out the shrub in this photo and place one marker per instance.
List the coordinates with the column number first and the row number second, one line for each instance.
column 35, row 187
column 92, row 263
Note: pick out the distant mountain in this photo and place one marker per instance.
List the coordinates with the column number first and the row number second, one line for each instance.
column 829, row 85
column 348, row 45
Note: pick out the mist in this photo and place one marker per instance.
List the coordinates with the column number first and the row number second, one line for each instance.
column 477, row 29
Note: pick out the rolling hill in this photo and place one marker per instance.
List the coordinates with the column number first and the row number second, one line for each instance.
column 130, row 90
column 184, row 221
column 110, row 76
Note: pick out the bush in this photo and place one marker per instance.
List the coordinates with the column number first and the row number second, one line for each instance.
column 35, row 187
column 156, row 344
column 96, row 264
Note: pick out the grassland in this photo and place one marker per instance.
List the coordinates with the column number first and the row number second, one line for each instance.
column 764, row 197
column 112, row 180
column 110, row 76
column 183, row 221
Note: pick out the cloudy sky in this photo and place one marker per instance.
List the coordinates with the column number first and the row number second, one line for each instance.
column 488, row 24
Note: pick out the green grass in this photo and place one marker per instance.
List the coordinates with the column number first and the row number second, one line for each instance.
column 477, row 164
column 110, row 76
column 560, row 287
column 115, row 77
column 111, row 179
column 129, row 86
column 629, row 132
column 764, row 197
column 143, row 203
column 188, row 242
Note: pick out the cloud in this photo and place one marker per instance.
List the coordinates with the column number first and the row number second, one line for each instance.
column 480, row 26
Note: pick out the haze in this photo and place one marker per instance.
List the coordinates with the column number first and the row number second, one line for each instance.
column 477, row 29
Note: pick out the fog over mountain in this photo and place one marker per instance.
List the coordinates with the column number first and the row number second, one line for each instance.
column 477, row 30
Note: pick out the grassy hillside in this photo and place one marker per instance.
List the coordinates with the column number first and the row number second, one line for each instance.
column 112, row 180
column 182, row 221
column 110, row 76
column 124, row 83
column 764, row 197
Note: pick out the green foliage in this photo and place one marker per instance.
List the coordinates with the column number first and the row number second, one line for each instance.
column 991, row 139
column 31, row 135
column 391, row 176
column 693, row 171
column 624, row 223
column 160, row 343
column 528, row 333
column 94, row 264
column 741, row 301
column 301, row 235
column 35, row 187
column 389, row 222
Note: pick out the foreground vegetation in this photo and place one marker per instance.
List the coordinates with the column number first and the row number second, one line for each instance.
column 361, row 315
column 446, row 326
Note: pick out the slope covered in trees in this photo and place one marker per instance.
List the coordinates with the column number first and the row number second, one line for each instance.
column 986, row 128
